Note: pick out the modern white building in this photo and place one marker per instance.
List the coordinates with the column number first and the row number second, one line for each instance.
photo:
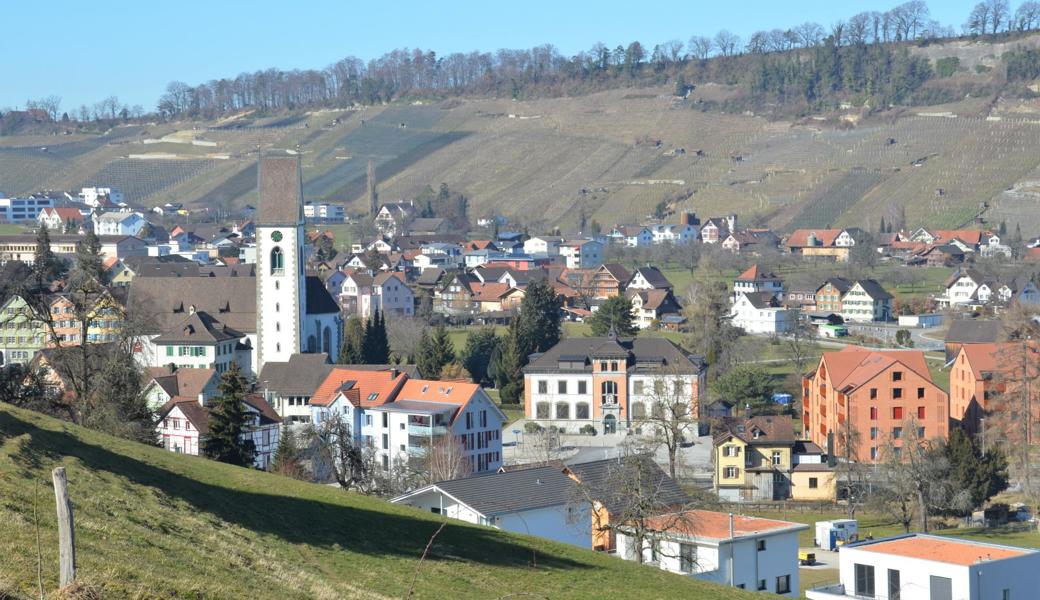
column 119, row 223
column 927, row 567
column 679, row 234
column 537, row 501
column 94, row 196
column 581, row 254
column 324, row 212
column 737, row 551
column 543, row 244
column 23, row 210
column 761, row 312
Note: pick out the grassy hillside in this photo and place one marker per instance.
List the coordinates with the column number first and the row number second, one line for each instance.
column 150, row 523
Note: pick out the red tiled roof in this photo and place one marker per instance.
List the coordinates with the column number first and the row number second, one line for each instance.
column 380, row 383
column 799, row 237
column 853, row 366
column 946, row 550
column 715, row 525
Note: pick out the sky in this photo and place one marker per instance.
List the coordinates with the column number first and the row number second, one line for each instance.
column 86, row 51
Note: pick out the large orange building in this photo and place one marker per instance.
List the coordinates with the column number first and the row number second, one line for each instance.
column 972, row 383
column 878, row 393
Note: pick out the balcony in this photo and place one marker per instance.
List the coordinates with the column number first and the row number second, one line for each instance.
column 427, row 430
column 608, row 399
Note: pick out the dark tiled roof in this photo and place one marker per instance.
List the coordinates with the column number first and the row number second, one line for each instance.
column 874, row 289
column 163, row 302
column 281, row 192
column 319, row 300
column 654, row 277
column 600, row 479
column 653, row 355
column 199, row 328
column 513, row 491
column 970, row 331
column 301, row 375
column 762, row 299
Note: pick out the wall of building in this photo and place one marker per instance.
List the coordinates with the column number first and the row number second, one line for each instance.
column 824, row 490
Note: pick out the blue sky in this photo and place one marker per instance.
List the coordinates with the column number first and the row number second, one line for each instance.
column 86, row 51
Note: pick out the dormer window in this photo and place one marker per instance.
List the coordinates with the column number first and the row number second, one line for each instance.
column 755, row 433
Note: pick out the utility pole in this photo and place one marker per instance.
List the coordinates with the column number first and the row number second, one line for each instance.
column 66, row 529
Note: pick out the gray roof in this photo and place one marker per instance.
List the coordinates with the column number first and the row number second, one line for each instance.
column 301, row 375
column 319, row 300
column 644, row 355
column 281, row 191
column 874, row 289
column 970, row 331
column 163, row 302
column 654, row 277
column 512, row 491
column 198, row 328
column 600, row 478
column 762, row 299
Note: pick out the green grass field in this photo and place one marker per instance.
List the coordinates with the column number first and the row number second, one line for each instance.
column 150, row 523
column 9, row 228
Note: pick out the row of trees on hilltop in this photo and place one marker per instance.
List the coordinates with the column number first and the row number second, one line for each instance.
column 543, row 70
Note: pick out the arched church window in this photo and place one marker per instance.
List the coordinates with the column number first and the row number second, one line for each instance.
column 312, row 344
column 326, row 343
column 277, row 261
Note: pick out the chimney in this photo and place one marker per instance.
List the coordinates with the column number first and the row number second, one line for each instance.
column 394, row 373
column 731, row 525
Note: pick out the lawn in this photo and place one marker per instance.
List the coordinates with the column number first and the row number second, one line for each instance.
column 151, row 523
column 10, row 228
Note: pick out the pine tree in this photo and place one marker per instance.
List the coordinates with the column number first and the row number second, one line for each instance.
column 881, row 228
column 539, row 320
column 509, row 364
column 615, row 314
column 353, row 340
column 287, row 457
column 228, row 421
column 375, row 347
column 46, row 263
column 435, row 351
column 476, row 356
column 982, row 476
column 88, row 258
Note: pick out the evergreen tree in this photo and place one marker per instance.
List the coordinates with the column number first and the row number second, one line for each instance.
column 481, row 345
column 1002, row 230
column 508, row 367
column 287, row 457
column 350, row 351
column 46, row 263
column 88, row 258
column 615, row 313
column 882, row 229
column 375, row 347
column 435, row 351
column 539, row 320
column 228, row 421
column 981, row 476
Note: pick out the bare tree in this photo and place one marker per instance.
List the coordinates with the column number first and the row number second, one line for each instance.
column 851, row 475
column 1027, row 17
column 336, row 454
column 700, row 47
column 405, row 335
column 799, row 343
column 669, row 422
column 727, row 43
column 445, row 460
column 808, row 34
column 1014, row 407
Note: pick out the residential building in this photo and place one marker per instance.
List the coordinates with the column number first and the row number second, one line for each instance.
column 829, row 296
column 324, row 212
column 199, row 341
column 543, row 244
column 24, row 210
column 966, row 287
column 581, row 254
column 632, row 236
column 392, row 218
column 678, row 234
column 756, row 280
column 878, row 394
column 974, row 380
column 95, row 197
column 648, row 278
column 865, row 302
column 183, row 424
column 650, row 307
column 733, row 550
column 751, row 240
column 927, row 567
column 971, row 331
column 762, row 312
column 827, row 243
column 22, row 334
column 609, row 280
column 163, row 384
column 289, row 385
column 119, row 223
column 61, row 219
column 540, row 501
column 609, row 383
column 761, row 459
column 717, row 229
column 105, row 321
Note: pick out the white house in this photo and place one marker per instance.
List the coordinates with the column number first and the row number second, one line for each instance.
column 761, row 312
column 61, row 219
column 1016, row 291
column 200, row 341
column 679, row 234
column 965, row 287
column 756, row 280
column 928, row 567
column 401, row 418
column 119, row 223
column 537, row 501
column 581, row 254
column 648, row 278
column 21, row 210
column 164, row 384
column 389, row 294
column 95, row 196
column 543, row 244
column 737, row 551
column 632, row 236
column 183, row 424
column 866, row 301
column 324, row 212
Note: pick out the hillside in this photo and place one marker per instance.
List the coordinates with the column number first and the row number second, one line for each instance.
column 150, row 523
column 611, row 155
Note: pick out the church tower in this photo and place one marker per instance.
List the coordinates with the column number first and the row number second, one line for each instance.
column 280, row 278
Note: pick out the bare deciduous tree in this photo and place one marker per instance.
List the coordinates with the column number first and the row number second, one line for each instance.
column 669, row 420
column 335, row 454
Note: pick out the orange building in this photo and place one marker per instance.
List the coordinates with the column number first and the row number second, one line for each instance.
column 979, row 375
column 877, row 393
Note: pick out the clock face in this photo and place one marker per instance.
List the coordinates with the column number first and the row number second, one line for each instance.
column 276, row 236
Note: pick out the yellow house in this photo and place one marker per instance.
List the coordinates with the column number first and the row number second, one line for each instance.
column 760, row 459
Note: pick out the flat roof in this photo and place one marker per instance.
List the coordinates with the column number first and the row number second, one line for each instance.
column 953, row 551
column 416, row 406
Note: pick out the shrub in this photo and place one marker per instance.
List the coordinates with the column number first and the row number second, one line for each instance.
column 587, row 429
column 532, row 427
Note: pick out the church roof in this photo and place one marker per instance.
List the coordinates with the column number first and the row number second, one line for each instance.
column 281, row 191
column 319, row 300
column 199, row 328
column 164, row 302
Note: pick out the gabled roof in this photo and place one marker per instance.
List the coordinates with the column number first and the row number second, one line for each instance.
column 165, row 300
column 489, row 292
column 600, row 477
column 281, row 191
column 973, row 331
column 983, row 359
column 839, row 283
column 874, row 289
column 799, row 238
column 65, row 213
column 319, row 300
column 762, row 300
column 771, row 430
column 509, row 491
column 656, row 300
column 653, row 276
column 198, row 328
column 382, row 278
column 370, row 387
column 754, row 273
column 197, row 414
column 616, row 271
column 182, row 381
column 301, row 375
column 853, row 366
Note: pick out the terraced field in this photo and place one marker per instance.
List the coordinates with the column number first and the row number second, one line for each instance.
column 139, row 179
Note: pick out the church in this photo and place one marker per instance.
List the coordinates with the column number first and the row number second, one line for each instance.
column 269, row 313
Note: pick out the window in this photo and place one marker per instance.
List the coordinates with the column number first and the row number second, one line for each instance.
column 873, row 393
column 277, row 261
column 561, row 386
column 920, row 392
column 783, row 584
column 814, row 483
column 897, row 413
column 920, row 412
column 873, row 413
column 613, row 365
column 897, row 433
column 169, row 351
column 469, row 420
column 581, row 410
column 368, row 419
column 761, row 585
column 778, row 477
column 897, row 393
column 730, row 473
column 777, row 457
column 386, row 420
column 687, row 557
column 893, row 585
column 1005, row 594
column 541, row 410
column 602, row 365
column 897, row 375
column 731, row 451
column 864, row 580
column 920, row 433
column 608, row 392
column 563, row 410
column 582, row 387
column 386, row 441
column 940, row 588
column 873, row 433
column 638, row 410
column 637, row 387
column 543, row 387
column 873, row 453
column 761, row 545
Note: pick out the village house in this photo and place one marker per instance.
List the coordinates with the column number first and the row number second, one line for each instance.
column 866, row 301
column 918, row 566
column 540, row 501
column 392, row 218
column 965, row 287
column 717, row 229
column 609, row 280
column 61, row 219
column 632, row 236
column 202, row 342
column 650, row 307
column 609, row 383
column 22, row 333
column 826, row 243
column 761, row 312
column 732, row 550
column 581, row 254
column 830, row 295
column 751, row 240
column 974, row 381
column 756, row 280
column 289, row 385
column 162, row 384
column 671, row 233
column 648, row 278
column 877, row 393
column 119, row 223
column 183, row 424
column 761, row 459
column 970, row 331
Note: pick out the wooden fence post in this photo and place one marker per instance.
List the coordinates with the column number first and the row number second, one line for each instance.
column 66, row 530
